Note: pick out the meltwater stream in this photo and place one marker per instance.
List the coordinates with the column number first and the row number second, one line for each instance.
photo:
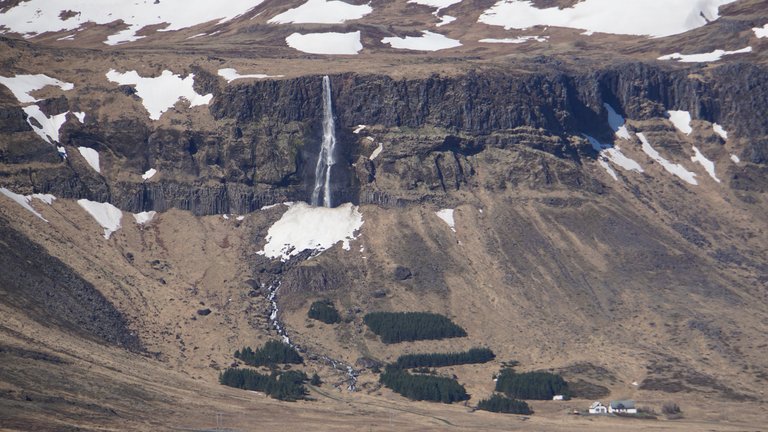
column 325, row 159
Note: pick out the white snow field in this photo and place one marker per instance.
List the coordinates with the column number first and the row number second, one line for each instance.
column 231, row 74
column 720, row 131
column 22, row 85
column 516, row 40
column 439, row 4
column 48, row 128
column 681, row 120
column 447, row 216
column 148, row 174
column 708, row 165
column 617, row 123
column 91, row 156
column 304, row 227
column 144, row 217
column 761, row 32
column 45, row 127
column 105, row 214
column 322, row 12
column 675, row 169
column 713, row 56
column 25, row 200
column 655, row 18
column 326, row 43
column 428, row 41
column 159, row 94
column 35, row 17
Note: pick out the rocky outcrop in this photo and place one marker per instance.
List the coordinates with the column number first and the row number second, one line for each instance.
column 263, row 145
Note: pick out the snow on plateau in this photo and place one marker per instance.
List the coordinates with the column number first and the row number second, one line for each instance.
column 144, row 217
column 708, row 165
column 25, row 200
column 713, row 56
column 231, row 74
column 149, row 174
column 656, row 18
column 720, row 131
column 322, row 12
column 447, row 216
column 326, row 43
column 22, row 85
column 91, row 156
column 681, row 120
column 105, row 214
column 516, row 40
column 428, row 41
column 304, row 227
column 159, row 94
column 34, row 17
column 675, row 169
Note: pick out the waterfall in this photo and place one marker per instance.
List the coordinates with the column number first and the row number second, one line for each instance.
column 325, row 159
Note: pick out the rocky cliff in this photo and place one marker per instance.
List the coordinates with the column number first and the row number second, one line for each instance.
column 261, row 144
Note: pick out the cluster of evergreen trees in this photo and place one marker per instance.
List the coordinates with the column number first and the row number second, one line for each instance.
column 423, row 387
column 474, row 355
column 325, row 311
column 503, row 404
column 273, row 352
column 531, row 385
column 394, row 327
column 288, row 386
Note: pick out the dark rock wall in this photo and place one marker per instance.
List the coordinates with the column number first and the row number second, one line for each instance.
column 263, row 147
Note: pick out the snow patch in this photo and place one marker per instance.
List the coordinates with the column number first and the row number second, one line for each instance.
column 617, row 123
column 359, row 129
column 24, row 200
column 79, row 115
column 675, row 169
column 22, row 85
column 35, row 17
column 517, row 40
column 326, row 43
column 303, row 227
column 713, row 56
column 231, row 74
column 144, row 217
column 46, row 128
column 240, row 218
column 761, row 32
column 428, row 41
column 149, row 174
column 445, row 19
column 91, row 156
column 105, row 214
column 376, row 152
column 708, row 165
column 656, row 18
column 447, row 216
column 322, row 12
column 159, row 94
column 439, row 4
column 608, row 153
column 735, row 158
column 681, row 120
column 720, row 131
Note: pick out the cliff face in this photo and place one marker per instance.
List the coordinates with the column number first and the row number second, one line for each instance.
column 262, row 144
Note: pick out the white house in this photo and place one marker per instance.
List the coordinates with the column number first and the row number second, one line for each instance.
column 598, row 408
column 623, row 407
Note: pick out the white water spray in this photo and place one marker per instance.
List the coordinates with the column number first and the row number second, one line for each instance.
column 325, row 159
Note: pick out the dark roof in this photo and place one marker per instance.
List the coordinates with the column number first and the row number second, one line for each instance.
column 627, row 404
